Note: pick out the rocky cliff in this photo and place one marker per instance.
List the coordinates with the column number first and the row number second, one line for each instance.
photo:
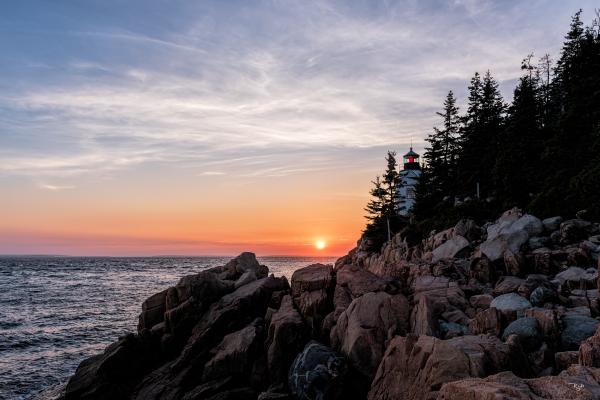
column 508, row 310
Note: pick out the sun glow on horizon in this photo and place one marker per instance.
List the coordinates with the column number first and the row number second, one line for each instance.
column 320, row 244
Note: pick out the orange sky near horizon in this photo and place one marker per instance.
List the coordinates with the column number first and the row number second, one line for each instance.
column 133, row 214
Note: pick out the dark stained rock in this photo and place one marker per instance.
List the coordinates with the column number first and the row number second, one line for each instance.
column 235, row 354
column 481, row 268
column 312, row 292
column 548, row 323
column 364, row 327
column 573, row 230
column 542, row 295
column 528, row 331
column 317, row 373
column 287, row 337
column 576, row 329
column 114, row 373
column 243, row 263
column 153, row 311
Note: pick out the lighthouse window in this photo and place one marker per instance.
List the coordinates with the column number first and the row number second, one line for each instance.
column 410, row 193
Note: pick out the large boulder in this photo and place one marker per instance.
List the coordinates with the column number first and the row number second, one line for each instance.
column 433, row 297
column 488, row 321
column 287, row 337
column 576, row 382
column 414, row 368
column 317, row 373
column 451, row 248
column 231, row 313
column 114, row 373
column 510, row 302
column 364, row 327
column 528, row 331
column 576, row 329
column 578, row 278
column 235, row 354
column 352, row 282
column 510, row 232
column 508, row 284
column 245, row 262
column 574, row 230
column 312, row 292
column 589, row 351
column 153, row 311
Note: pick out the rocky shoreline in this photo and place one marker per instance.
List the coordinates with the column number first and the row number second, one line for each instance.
column 508, row 310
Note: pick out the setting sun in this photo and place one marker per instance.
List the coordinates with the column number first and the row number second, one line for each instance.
column 320, row 244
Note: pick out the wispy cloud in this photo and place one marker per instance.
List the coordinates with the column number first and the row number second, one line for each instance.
column 272, row 84
column 56, row 187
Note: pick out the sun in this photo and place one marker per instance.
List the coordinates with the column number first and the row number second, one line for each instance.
column 320, row 244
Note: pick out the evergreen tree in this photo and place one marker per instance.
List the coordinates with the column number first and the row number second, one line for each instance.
column 390, row 183
column 442, row 154
column 480, row 135
column 517, row 165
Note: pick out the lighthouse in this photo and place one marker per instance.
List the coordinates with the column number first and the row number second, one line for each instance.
column 407, row 183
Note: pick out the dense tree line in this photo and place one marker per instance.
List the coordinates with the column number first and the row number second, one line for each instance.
column 540, row 153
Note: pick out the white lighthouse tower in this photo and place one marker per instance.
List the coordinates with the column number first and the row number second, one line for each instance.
column 407, row 184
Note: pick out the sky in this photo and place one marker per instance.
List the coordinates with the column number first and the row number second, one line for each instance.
column 145, row 127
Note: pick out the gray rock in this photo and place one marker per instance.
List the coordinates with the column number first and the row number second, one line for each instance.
column 542, row 295
column 551, row 224
column 452, row 329
column 247, row 277
column 578, row 278
column 528, row 331
column 450, row 248
column 510, row 232
column 537, row 242
column 510, row 302
column 576, row 330
column 317, row 373
column 508, row 284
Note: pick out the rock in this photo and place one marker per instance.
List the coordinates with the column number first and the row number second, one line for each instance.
column 538, row 242
column 574, row 230
column 510, row 302
column 352, row 282
column 532, row 282
column 153, row 311
column 589, row 351
column 542, row 295
column 481, row 301
column 510, row 232
column 576, row 330
column 578, row 278
column 287, row 337
column 548, row 323
column 114, row 373
column 508, row 284
column 451, row 248
column 576, row 382
column 188, row 300
column 564, row 359
column 246, row 278
column 414, row 368
column 488, row 321
column 317, row 373
column 236, row 353
column 552, row 224
column 312, row 292
column 468, row 229
column 481, row 268
column 363, row 328
column 241, row 264
column 514, row 263
column 528, row 331
column 450, row 330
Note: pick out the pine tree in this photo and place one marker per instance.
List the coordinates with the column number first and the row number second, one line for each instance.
column 442, row 154
column 480, row 133
column 390, row 183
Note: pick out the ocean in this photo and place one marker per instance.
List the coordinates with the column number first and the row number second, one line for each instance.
column 57, row 311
